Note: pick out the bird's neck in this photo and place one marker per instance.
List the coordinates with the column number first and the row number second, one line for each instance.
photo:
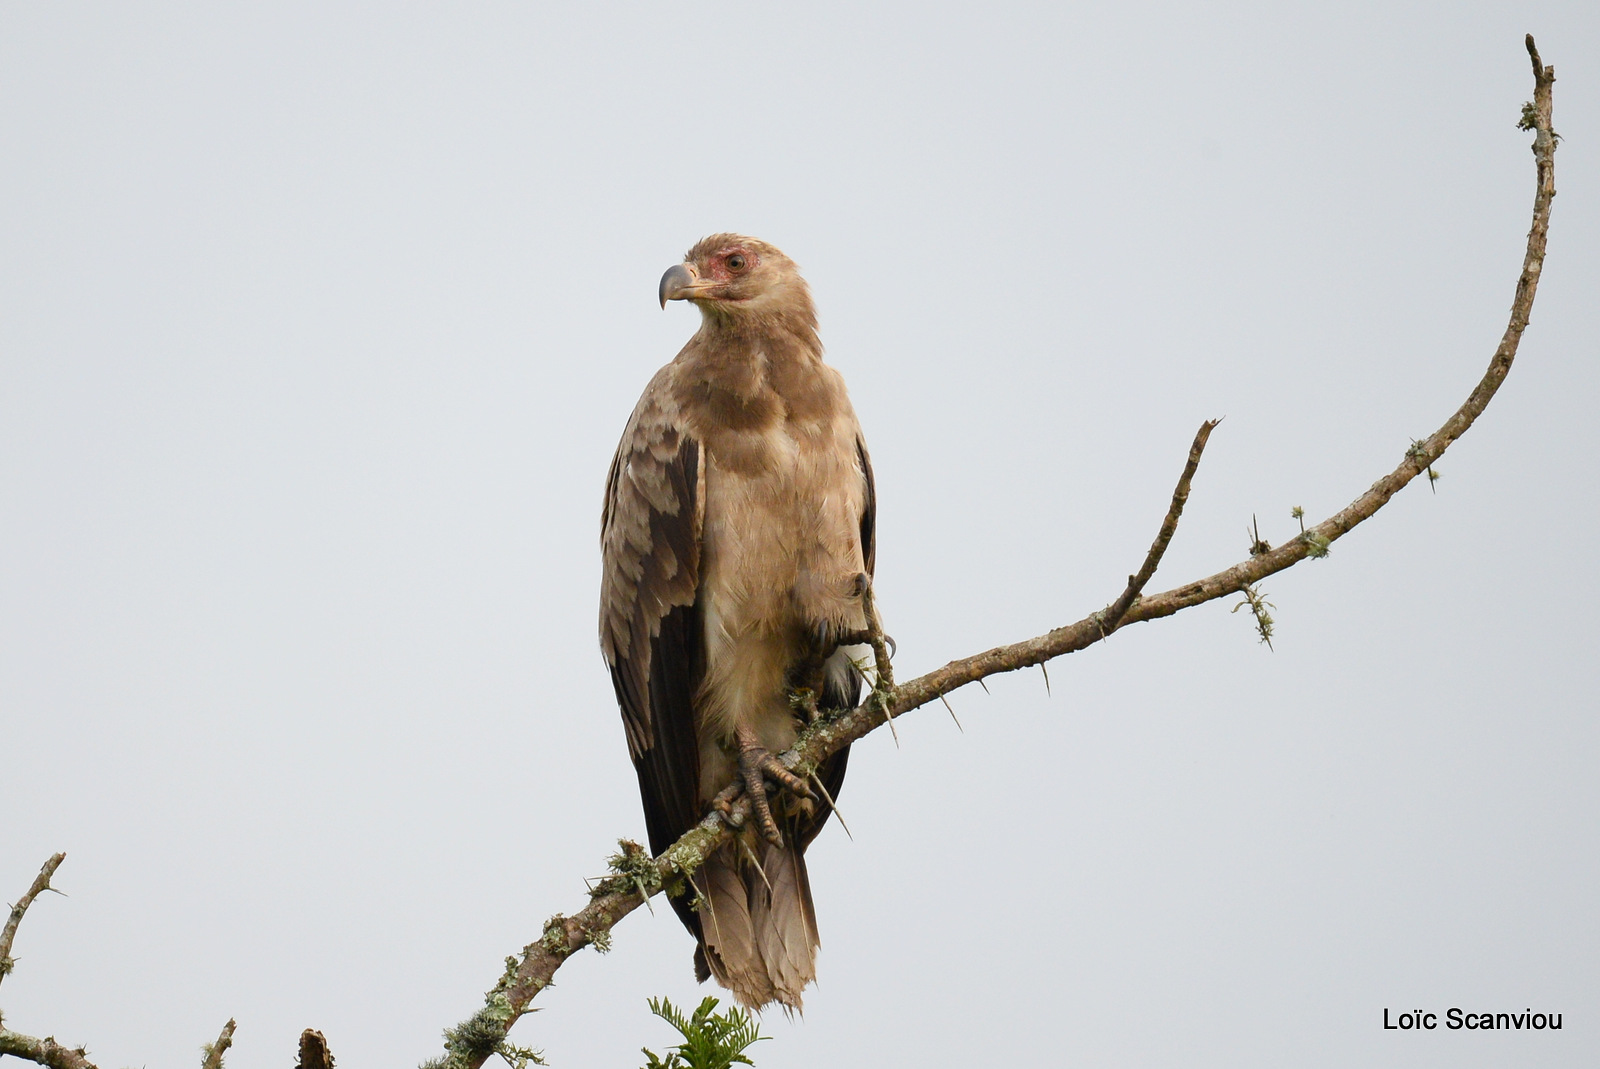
column 789, row 336
column 746, row 370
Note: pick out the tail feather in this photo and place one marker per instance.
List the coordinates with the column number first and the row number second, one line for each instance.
column 758, row 927
column 785, row 929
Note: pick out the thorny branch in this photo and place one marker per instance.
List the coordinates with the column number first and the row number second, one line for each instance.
column 47, row 1051
column 1112, row 617
column 8, row 934
column 637, row 876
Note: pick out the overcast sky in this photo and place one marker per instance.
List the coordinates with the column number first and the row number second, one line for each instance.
column 318, row 327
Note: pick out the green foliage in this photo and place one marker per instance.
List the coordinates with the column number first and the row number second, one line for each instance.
column 710, row 1040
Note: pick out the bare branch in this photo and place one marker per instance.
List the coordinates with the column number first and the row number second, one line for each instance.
column 1169, row 526
column 45, row 1051
column 8, row 934
column 469, row 1044
column 1417, row 459
column 215, row 1051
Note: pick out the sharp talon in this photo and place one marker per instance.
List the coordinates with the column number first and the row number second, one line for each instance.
column 894, row 647
column 757, row 766
column 861, row 585
column 723, row 803
column 823, row 636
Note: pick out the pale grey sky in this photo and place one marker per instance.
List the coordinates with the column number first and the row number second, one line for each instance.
column 318, row 325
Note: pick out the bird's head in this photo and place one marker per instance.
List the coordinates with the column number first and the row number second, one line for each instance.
column 742, row 280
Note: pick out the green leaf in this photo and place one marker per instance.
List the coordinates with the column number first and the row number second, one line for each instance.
column 711, row 1040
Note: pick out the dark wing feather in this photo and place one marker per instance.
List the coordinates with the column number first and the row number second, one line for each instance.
column 869, row 513
column 650, row 630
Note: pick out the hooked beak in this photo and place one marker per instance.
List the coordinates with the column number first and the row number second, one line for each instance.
column 681, row 283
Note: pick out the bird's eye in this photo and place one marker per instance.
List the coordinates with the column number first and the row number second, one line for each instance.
column 736, row 262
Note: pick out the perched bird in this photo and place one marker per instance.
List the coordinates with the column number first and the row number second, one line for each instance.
column 737, row 540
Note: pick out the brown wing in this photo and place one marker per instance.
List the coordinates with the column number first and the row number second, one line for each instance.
column 650, row 630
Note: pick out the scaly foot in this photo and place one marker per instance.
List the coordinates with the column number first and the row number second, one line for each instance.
column 757, row 765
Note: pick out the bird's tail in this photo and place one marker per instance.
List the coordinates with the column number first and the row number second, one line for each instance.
column 758, row 928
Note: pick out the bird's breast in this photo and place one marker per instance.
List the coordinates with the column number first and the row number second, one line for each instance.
column 782, row 522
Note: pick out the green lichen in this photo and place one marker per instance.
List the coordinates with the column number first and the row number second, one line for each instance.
column 1418, row 453
column 554, row 938
column 484, row 1034
column 632, row 870
column 1316, row 544
column 520, row 1057
column 1258, row 606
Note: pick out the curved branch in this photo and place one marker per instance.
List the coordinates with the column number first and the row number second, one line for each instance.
column 47, row 1051
column 8, row 934
column 1113, row 616
column 44, row 1051
column 636, row 876
column 1314, row 541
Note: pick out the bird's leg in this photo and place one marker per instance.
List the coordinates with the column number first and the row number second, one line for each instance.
column 883, row 646
column 724, row 801
column 805, row 700
column 757, row 765
column 828, row 636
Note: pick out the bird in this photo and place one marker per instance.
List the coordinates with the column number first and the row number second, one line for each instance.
column 738, row 548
